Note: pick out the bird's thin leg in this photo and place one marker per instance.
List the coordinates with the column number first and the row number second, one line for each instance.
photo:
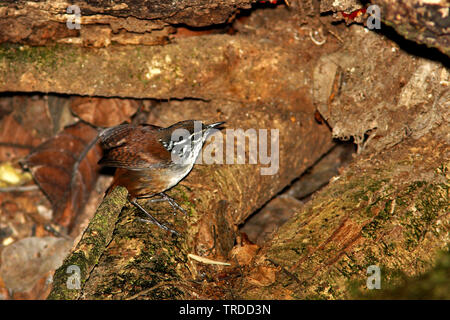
column 152, row 219
column 173, row 203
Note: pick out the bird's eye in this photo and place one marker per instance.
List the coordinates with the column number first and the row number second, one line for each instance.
column 177, row 140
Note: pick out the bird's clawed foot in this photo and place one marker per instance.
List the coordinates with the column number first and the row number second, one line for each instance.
column 175, row 206
column 151, row 218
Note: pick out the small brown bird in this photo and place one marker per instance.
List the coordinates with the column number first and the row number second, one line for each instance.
column 150, row 159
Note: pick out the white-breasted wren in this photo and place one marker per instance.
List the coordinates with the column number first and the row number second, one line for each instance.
column 150, row 160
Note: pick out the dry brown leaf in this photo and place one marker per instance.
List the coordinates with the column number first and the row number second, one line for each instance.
column 33, row 114
column 103, row 112
column 263, row 276
column 244, row 253
column 52, row 165
column 26, row 261
column 15, row 140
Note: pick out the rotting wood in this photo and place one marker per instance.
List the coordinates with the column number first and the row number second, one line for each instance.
column 389, row 210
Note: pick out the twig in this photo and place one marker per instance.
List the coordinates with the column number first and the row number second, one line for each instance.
column 151, row 289
column 336, row 36
column 207, row 261
column 81, row 157
column 19, row 188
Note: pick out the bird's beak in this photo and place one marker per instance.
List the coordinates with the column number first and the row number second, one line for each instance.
column 207, row 131
column 214, row 125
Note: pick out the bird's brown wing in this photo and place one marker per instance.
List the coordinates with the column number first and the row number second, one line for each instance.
column 132, row 147
column 113, row 137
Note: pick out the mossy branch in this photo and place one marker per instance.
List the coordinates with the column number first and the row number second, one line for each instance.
column 67, row 284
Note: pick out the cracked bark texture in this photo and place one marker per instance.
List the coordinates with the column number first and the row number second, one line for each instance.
column 390, row 208
column 128, row 22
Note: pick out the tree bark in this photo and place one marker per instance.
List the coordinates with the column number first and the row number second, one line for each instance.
column 390, row 211
column 146, row 22
column 421, row 22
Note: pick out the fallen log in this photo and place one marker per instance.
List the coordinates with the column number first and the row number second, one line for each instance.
column 387, row 215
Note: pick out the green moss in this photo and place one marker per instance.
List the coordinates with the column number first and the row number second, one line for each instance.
column 91, row 246
column 388, row 249
column 47, row 57
column 428, row 201
column 146, row 259
column 417, row 206
column 60, row 288
column 434, row 284
column 370, row 230
column 182, row 198
column 367, row 185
